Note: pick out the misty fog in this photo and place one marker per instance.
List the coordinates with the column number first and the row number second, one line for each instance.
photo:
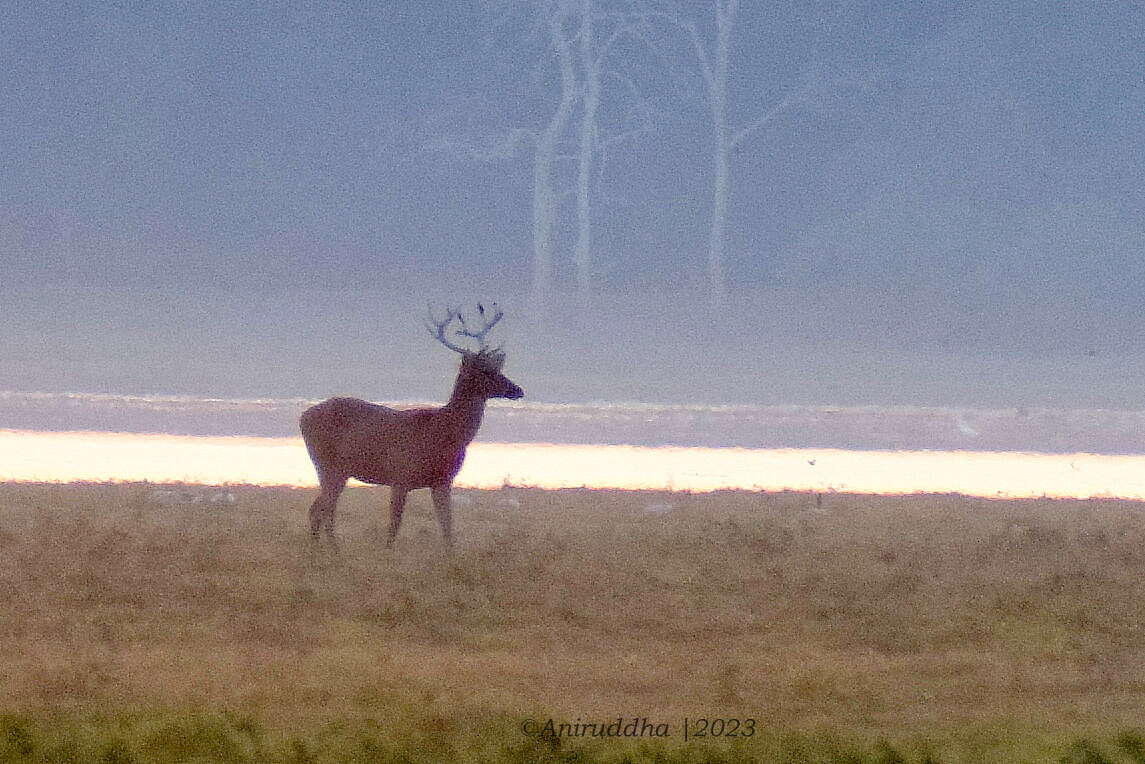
column 927, row 205
column 783, row 347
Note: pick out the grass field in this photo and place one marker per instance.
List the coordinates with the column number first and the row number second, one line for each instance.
column 896, row 629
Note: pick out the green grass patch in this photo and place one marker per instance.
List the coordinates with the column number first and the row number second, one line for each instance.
column 229, row 739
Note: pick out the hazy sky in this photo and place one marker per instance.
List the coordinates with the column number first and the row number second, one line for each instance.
column 972, row 154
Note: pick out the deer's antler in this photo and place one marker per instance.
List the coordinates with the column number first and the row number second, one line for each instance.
column 440, row 330
column 480, row 334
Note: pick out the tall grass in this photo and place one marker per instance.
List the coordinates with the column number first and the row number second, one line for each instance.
column 865, row 630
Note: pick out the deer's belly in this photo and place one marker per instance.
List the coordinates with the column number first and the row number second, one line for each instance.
column 391, row 469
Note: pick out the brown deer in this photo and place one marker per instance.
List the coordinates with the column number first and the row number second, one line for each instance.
column 407, row 449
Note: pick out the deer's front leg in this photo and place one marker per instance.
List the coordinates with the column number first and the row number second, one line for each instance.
column 323, row 508
column 441, row 501
column 397, row 506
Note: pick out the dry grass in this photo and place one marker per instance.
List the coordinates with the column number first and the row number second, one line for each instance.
column 943, row 618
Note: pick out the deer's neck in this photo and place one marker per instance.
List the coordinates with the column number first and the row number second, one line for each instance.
column 466, row 409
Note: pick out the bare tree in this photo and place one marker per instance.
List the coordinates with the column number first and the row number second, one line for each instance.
column 601, row 29
column 592, row 63
column 551, row 23
column 557, row 14
column 576, row 39
column 714, row 61
column 581, row 35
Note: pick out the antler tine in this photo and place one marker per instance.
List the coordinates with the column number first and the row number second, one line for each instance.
column 437, row 329
column 483, row 332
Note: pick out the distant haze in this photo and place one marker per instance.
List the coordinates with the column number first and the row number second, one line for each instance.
column 841, row 348
column 224, row 199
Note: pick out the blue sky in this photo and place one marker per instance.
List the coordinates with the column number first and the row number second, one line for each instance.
column 988, row 155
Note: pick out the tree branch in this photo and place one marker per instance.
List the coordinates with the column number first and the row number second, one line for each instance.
column 739, row 136
column 602, row 53
column 701, row 54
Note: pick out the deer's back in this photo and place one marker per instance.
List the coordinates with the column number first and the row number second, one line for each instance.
column 378, row 444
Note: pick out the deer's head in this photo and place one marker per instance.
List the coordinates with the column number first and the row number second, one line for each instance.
column 480, row 374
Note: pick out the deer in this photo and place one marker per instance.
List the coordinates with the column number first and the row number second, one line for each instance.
column 407, row 449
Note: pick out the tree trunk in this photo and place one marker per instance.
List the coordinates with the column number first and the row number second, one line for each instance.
column 582, row 252
column 545, row 200
column 718, row 100
column 544, row 220
column 717, row 276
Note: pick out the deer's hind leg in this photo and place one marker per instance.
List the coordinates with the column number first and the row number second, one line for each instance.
column 322, row 510
column 397, row 506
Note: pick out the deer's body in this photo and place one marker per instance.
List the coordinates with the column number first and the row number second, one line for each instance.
column 404, row 449
column 417, row 448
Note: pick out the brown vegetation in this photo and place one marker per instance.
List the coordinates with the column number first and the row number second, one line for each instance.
column 880, row 616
